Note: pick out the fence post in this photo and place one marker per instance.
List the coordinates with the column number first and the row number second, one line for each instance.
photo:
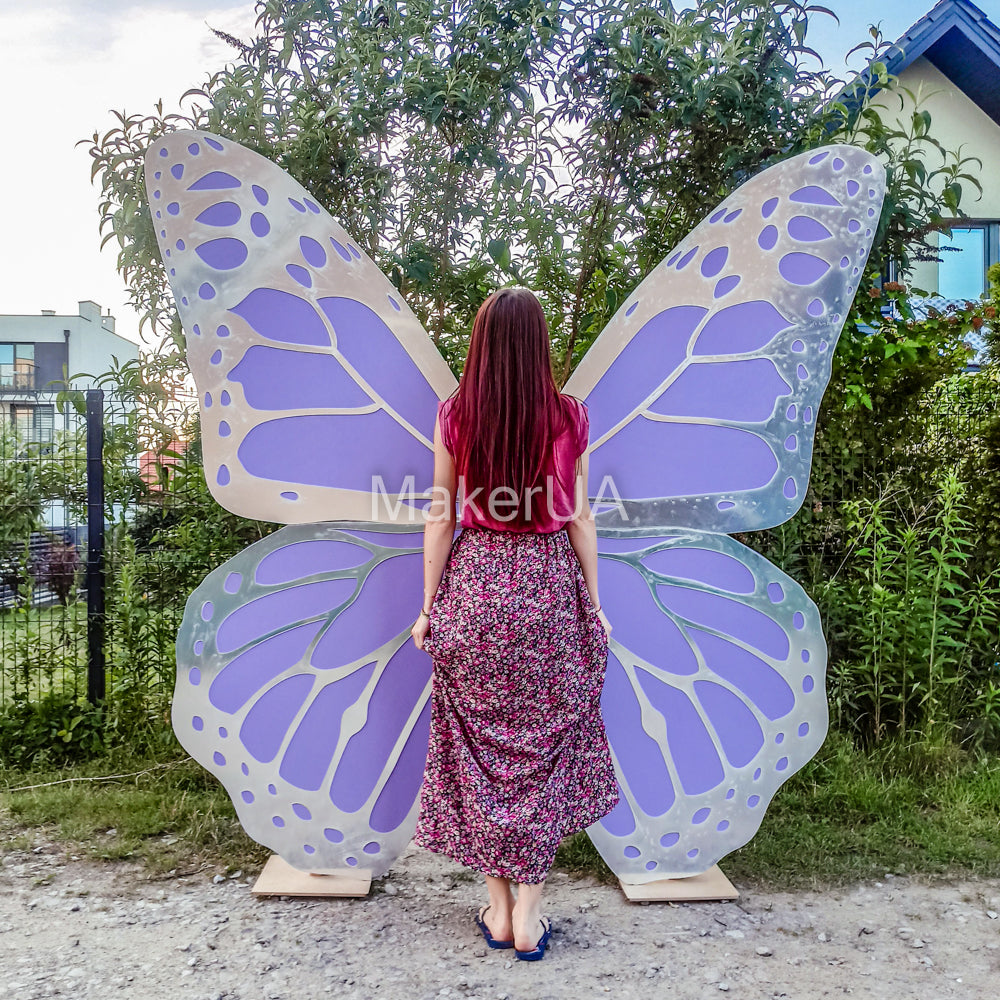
column 95, row 545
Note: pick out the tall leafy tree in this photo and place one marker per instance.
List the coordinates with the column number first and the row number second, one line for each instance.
column 567, row 146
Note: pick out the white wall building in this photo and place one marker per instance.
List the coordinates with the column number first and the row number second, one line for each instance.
column 39, row 355
column 43, row 354
column 950, row 61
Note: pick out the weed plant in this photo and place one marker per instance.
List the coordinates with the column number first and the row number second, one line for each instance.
column 913, row 637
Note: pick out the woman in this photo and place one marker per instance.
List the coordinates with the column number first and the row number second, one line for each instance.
column 518, row 755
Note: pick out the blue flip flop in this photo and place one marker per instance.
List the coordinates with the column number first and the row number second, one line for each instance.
column 538, row 952
column 487, row 936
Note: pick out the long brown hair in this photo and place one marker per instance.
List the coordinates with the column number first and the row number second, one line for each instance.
column 507, row 409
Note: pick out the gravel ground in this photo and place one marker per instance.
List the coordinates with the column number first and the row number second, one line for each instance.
column 88, row 930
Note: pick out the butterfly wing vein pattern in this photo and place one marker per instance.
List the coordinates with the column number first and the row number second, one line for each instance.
column 714, row 696
column 703, row 389
column 299, row 688
column 313, row 375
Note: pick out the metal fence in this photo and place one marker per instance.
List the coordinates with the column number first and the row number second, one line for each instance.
column 71, row 617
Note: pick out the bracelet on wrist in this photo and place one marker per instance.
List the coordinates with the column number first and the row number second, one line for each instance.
column 426, row 614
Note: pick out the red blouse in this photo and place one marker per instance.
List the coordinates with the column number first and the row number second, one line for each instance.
column 551, row 508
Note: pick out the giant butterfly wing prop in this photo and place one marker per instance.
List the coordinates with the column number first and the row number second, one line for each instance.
column 703, row 393
column 714, row 696
column 313, row 375
column 297, row 683
column 300, row 688
column 703, row 388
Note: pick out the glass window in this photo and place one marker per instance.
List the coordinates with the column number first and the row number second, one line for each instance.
column 17, row 366
column 44, row 422
column 21, row 416
column 24, row 374
column 34, row 423
column 962, row 271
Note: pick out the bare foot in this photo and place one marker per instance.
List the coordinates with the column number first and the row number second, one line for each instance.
column 498, row 920
column 528, row 929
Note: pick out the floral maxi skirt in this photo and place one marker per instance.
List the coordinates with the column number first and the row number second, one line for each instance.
column 518, row 755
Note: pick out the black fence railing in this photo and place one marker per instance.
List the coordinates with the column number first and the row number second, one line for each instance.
column 74, row 616
column 42, row 606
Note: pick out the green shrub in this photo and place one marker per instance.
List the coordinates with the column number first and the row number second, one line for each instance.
column 52, row 730
column 913, row 637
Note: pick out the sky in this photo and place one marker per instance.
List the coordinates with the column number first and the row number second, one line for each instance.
column 64, row 66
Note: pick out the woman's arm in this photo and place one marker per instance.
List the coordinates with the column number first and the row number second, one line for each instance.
column 582, row 531
column 439, row 530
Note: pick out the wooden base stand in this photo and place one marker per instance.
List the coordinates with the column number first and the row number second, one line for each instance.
column 279, row 878
column 710, row 885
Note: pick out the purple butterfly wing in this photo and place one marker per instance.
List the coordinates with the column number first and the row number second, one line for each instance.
column 703, row 389
column 714, row 696
column 314, row 377
column 300, row 689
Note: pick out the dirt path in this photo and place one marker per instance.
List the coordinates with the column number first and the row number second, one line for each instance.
column 90, row 931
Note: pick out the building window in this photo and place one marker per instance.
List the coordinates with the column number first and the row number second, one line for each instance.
column 966, row 252
column 17, row 366
column 33, row 423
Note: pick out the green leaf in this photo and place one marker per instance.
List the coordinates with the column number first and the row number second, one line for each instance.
column 500, row 253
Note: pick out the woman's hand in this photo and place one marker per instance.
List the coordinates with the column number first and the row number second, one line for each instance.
column 419, row 631
column 604, row 622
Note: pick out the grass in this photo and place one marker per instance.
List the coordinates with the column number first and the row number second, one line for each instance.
column 45, row 649
column 54, row 637
column 14, row 620
column 918, row 809
column 846, row 816
column 170, row 815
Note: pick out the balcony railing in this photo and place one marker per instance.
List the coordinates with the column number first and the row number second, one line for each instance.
column 18, row 382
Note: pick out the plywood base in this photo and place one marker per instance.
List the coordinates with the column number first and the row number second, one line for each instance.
column 710, row 885
column 279, row 878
